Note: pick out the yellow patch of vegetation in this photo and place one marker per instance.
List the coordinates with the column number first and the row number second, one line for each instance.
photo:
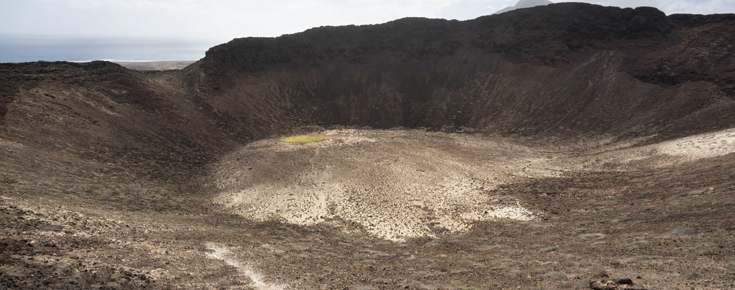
column 305, row 139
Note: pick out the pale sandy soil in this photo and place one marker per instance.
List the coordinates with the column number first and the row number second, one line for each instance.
column 668, row 153
column 394, row 184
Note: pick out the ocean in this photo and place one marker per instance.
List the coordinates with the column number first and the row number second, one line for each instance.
column 19, row 48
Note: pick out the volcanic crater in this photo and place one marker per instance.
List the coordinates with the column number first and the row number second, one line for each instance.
column 568, row 146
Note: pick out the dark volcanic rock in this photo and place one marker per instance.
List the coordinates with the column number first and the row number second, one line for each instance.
column 546, row 35
column 567, row 68
column 564, row 68
column 614, row 284
column 699, row 49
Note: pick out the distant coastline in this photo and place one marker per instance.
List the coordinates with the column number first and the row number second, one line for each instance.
column 155, row 65
column 21, row 48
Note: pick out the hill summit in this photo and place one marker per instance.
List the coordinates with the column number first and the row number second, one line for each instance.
column 524, row 4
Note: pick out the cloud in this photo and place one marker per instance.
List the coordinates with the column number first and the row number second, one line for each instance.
column 227, row 19
column 209, row 18
column 674, row 6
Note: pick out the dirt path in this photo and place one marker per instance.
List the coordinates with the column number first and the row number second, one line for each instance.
column 224, row 253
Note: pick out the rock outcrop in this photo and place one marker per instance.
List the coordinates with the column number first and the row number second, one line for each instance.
column 562, row 68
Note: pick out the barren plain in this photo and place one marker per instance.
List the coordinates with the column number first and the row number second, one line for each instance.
column 544, row 148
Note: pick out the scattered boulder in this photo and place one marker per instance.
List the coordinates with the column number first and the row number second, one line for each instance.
column 614, row 284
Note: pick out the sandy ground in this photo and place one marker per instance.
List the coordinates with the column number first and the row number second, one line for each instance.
column 664, row 154
column 393, row 184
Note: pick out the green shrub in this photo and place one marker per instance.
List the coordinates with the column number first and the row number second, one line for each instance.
column 7, row 179
column 117, row 276
column 520, row 274
column 305, row 139
column 558, row 276
column 709, row 253
column 549, row 249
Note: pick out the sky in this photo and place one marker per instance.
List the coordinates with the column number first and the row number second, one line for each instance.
column 223, row 20
column 155, row 30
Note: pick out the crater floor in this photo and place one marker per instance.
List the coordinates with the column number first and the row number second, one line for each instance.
column 392, row 184
column 387, row 209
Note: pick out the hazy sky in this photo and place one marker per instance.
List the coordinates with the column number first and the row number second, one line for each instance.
column 222, row 20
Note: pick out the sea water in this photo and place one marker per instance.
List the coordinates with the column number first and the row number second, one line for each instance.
column 20, row 48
